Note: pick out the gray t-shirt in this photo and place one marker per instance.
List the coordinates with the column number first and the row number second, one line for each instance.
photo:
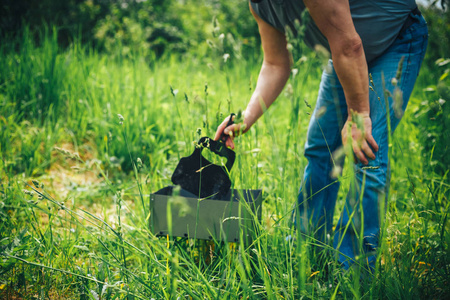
column 378, row 22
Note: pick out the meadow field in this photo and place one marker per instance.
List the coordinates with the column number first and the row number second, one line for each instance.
column 86, row 137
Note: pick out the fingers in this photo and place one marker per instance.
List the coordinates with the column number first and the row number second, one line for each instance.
column 229, row 143
column 363, row 145
column 227, row 131
column 230, row 132
column 371, row 141
column 363, row 151
column 221, row 128
column 229, row 135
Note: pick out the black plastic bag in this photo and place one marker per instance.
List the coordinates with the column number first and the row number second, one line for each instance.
column 201, row 177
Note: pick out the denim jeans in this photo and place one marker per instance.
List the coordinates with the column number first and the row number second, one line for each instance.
column 318, row 193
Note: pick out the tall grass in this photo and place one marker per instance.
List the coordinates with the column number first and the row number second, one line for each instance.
column 80, row 229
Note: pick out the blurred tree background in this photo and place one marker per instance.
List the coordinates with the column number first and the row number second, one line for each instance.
column 156, row 27
column 149, row 27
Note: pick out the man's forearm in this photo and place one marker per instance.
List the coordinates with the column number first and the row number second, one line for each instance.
column 351, row 68
column 271, row 81
column 334, row 19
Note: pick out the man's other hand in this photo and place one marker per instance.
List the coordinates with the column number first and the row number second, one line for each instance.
column 360, row 135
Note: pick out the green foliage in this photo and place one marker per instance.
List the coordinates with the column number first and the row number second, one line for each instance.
column 433, row 120
column 141, row 26
column 34, row 76
column 438, row 21
column 75, row 176
column 121, row 27
column 72, row 17
column 175, row 26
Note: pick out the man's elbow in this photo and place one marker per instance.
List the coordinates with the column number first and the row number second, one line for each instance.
column 349, row 47
column 282, row 66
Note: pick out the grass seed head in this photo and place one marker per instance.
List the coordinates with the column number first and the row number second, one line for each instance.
column 121, row 119
column 394, row 81
column 36, row 183
column 398, row 103
column 27, row 192
column 372, row 84
column 321, row 111
column 336, row 172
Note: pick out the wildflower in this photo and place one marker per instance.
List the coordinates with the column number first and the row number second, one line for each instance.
column 121, row 119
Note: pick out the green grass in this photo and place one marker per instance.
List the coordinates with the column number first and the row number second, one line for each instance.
column 80, row 229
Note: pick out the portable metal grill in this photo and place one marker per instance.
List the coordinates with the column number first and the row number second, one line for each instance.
column 208, row 219
column 204, row 207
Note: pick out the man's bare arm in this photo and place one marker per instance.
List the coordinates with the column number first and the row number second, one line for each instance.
column 334, row 20
column 272, row 78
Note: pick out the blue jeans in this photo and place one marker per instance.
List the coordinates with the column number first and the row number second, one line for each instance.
column 318, row 193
